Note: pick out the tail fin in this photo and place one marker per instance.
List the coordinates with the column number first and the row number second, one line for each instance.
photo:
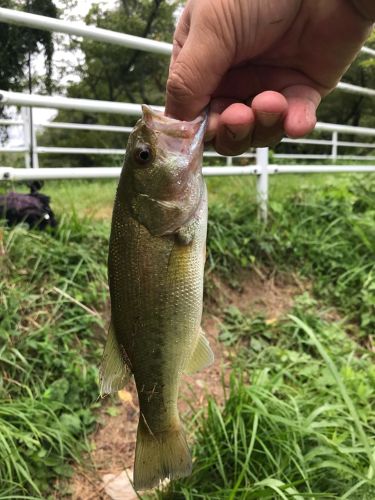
column 160, row 456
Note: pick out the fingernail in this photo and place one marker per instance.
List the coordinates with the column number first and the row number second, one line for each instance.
column 268, row 119
column 237, row 132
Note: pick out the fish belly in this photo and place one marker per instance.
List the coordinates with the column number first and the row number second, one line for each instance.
column 156, row 287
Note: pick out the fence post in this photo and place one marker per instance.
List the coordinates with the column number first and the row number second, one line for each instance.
column 335, row 135
column 262, row 183
column 31, row 155
column 33, row 140
column 229, row 161
column 26, row 135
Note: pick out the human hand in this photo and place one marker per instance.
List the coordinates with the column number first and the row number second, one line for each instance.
column 263, row 66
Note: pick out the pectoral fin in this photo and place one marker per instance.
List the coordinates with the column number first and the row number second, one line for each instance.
column 114, row 371
column 159, row 217
column 202, row 356
column 186, row 234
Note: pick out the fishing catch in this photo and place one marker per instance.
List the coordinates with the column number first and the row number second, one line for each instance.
column 156, row 263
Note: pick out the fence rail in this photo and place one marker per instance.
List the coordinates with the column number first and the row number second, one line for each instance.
column 82, row 30
column 129, row 109
column 262, row 169
column 56, row 173
column 58, row 102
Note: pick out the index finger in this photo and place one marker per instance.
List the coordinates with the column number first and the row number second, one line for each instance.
column 199, row 62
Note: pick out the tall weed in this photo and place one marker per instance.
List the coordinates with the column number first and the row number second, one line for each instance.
column 53, row 293
column 295, row 423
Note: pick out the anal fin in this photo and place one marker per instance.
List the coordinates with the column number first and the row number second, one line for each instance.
column 202, row 356
column 114, row 373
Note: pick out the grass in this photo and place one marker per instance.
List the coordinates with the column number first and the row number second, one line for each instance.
column 50, row 346
column 92, row 198
column 37, row 437
column 295, row 423
column 298, row 419
column 327, row 234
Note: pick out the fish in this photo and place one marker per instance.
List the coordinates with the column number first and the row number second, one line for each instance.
column 155, row 269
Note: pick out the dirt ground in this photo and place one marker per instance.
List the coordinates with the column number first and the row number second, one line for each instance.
column 113, row 442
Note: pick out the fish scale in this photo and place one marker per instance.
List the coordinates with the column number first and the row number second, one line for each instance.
column 156, row 286
column 169, row 299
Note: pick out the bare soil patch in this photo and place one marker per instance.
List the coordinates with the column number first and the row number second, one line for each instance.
column 256, row 292
column 114, row 439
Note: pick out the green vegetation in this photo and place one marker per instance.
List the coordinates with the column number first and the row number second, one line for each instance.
column 18, row 44
column 52, row 293
column 295, row 423
column 299, row 415
column 298, row 418
column 327, row 234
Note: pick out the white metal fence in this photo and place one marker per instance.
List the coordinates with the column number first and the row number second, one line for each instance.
column 262, row 168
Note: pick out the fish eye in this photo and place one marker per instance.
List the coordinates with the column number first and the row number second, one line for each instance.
column 143, row 154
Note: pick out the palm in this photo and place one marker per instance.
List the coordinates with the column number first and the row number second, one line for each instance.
column 308, row 49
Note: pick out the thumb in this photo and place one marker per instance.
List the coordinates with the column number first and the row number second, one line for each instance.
column 196, row 72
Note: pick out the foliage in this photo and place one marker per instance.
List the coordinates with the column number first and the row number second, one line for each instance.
column 37, row 436
column 311, row 421
column 17, row 44
column 295, row 424
column 327, row 234
column 50, row 347
column 351, row 109
column 114, row 73
column 370, row 61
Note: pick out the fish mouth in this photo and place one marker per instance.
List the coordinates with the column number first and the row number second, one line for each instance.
column 176, row 136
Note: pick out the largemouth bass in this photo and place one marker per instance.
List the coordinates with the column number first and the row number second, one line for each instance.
column 156, row 263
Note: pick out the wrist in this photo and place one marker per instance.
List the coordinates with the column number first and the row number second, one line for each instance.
column 366, row 9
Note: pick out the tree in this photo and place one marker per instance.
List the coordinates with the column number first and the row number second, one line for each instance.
column 17, row 47
column 114, row 73
column 18, row 44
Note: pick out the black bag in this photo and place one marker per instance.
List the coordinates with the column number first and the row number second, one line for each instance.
column 33, row 209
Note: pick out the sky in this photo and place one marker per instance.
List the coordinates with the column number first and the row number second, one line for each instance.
column 83, row 6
